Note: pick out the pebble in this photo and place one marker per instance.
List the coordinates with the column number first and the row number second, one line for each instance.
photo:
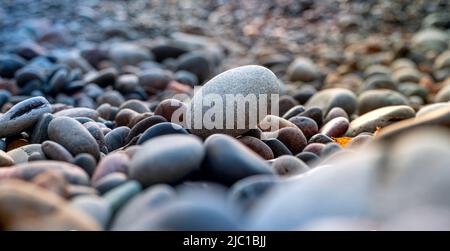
column 172, row 110
column 78, row 112
column 55, row 151
column 244, row 80
column 320, row 138
column 117, row 138
column 160, row 129
column 95, row 207
column 373, row 99
column 143, row 125
column 147, row 201
column 334, row 97
column 335, row 113
column 273, row 123
column 119, row 196
column 154, row 81
column 335, row 127
column 443, row 95
column 308, row 157
column 289, row 165
column 161, row 161
column 294, row 111
column 302, row 69
column 109, row 182
column 73, row 136
column 86, row 162
column 431, row 108
column 196, row 63
column 5, row 159
column 44, row 210
column 314, row 113
column 292, row 138
column 257, row 146
column 380, row 117
column 285, row 103
column 315, row 148
column 277, row 147
column 23, row 116
column 21, row 154
column 111, row 163
column 329, row 149
column 221, row 151
column 135, row 105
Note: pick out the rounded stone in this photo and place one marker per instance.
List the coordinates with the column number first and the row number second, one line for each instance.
column 23, row 116
column 116, row 138
column 86, row 162
column 109, row 182
column 22, row 154
column 335, row 127
column 335, row 113
column 73, row 136
column 257, row 146
column 380, row 117
column 113, row 98
column 111, row 163
column 443, row 95
column 308, row 157
column 135, row 105
column 167, row 159
column 103, row 77
column 294, row 111
column 273, row 123
column 302, row 69
column 43, row 211
column 315, row 148
column 251, row 80
column 373, row 99
column 314, row 113
column 285, row 103
column 196, row 63
column 329, row 149
column 289, row 165
column 277, row 147
column 228, row 161
column 144, row 124
column 292, row 138
column 55, row 151
column 95, row 207
column 5, row 159
column 334, row 97
column 119, row 196
column 307, row 125
column 161, row 129
column 154, row 81
column 78, row 112
column 172, row 110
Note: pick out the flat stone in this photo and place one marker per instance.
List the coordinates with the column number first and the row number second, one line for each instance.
column 373, row 99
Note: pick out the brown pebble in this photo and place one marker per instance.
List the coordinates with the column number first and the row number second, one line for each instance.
column 287, row 165
column 335, row 127
column 293, row 138
column 55, row 151
column 257, row 146
column 314, row 148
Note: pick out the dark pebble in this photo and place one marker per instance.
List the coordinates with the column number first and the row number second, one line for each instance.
column 161, row 129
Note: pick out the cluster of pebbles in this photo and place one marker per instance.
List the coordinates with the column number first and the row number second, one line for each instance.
column 89, row 140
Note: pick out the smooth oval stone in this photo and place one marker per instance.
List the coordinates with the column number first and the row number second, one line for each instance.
column 5, row 159
column 308, row 157
column 103, row 77
column 315, row 148
column 359, row 141
column 123, row 54
column 21, row 154
column 145, row 202
column 127, row 83
column 289, row 165
column 334, row 97
column 119, row 196
column 125, row 116
column 285, row 103
column 154, row 80
column 257, row 146
column 335, row 113
column 73, row 136
column 407, row 75
column 78, row 112
column 95, row 207
column 430, row 39
column 248, row 191
column 431, row 108
column 167, row 159
column 379, row 82
column 55, row 151
column 320, row 138
column 413, row 89
column 302, row 69
column 111, row 163
column 105, row 111
column 246, row 81
column 187, row 78
column 160, row 129
column 23, row 115
column 296, row 110
column 228, row 161
column 109, row 182
column 273, row 123
column 27, row 171
column 304, row 93
column 197, row 63
column 36, row 156
column 336, row 127
column 113, row 98
column 329, row 149
column 443, row 95
column 277, row 147
column 440, row 117
column 43, row 211
column 39, row 133
column 52, row 181
column 144, row 124
column 96, row 131
column 172, row 110
column 10, row 64
column 117, row 138
column 314, row 113
column 135, row 105
column 380, row 117
column 86, row 162
column 442, row 61
column 373, row 99
column 307, row 125
column 292, row 138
